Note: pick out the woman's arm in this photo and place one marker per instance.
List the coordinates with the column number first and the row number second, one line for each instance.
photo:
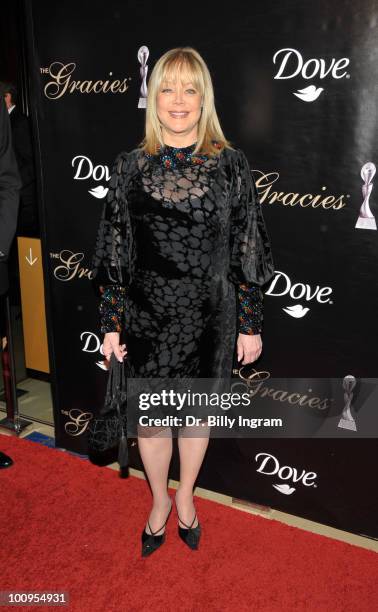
column 251, row 260
column 111, row 258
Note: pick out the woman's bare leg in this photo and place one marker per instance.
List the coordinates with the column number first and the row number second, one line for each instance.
column 192, row 451
column 156, row 451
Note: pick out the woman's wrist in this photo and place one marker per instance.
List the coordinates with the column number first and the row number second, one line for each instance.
column 112, row 308
column 250, row 309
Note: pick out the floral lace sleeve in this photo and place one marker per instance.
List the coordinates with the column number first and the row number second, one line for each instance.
column 250, row 309
column 112, row 252
column 251, row 259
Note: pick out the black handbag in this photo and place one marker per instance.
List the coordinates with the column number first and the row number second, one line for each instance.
column 110, row 427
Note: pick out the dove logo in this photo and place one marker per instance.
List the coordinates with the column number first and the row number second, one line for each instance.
column 297, row 311
column 282, row 285
column 92, row 344
column 291, row 64
column 284, row 488
column 309, row 94
column 84, row 170
column 99, row 192
column 270, row 467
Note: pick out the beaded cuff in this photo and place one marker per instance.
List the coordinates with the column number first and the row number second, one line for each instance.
column 250, row 309
column 112, row 308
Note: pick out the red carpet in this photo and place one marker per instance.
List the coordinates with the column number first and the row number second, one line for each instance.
column 69, row 525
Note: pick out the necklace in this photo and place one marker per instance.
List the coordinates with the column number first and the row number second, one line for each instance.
column 178, row 157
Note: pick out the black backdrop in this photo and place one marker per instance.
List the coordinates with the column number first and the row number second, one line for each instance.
column 295, row 87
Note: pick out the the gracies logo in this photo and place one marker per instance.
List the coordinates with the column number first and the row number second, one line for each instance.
column 271, row 194
column 291, row 64
column 70, row 266
column 61, row 82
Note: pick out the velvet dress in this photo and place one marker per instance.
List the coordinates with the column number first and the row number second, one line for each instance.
column 181, row 254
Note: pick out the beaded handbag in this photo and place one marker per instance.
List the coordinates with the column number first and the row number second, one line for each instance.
column 110, row 427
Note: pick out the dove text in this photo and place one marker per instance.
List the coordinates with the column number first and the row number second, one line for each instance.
column 292, row 60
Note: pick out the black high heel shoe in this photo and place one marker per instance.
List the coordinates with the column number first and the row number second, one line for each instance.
column 190, row 535
column 150, row 541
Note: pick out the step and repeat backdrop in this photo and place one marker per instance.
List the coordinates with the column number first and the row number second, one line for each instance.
column 295, row 88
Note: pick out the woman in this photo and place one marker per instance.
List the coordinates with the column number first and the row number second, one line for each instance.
column 181, row 253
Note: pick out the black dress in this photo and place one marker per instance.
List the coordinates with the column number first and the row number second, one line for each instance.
column 181, row 254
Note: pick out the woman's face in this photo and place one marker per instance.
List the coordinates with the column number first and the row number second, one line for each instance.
column 179, row 109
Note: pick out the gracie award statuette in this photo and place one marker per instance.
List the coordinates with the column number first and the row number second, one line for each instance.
column 347, row 421
column 143, row 54
column 366, row 220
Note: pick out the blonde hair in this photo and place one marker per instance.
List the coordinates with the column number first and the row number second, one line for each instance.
column 184, row 63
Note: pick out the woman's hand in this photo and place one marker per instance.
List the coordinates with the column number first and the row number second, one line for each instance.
column 111, row 345
column 249, row 347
